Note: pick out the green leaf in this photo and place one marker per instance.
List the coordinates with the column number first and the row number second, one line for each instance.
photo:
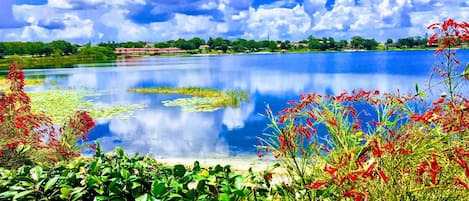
column 145, row 197
column 174, row 195
column 8, row 194
column 79, row 195
column 179, row 170
column 101, row 198
column 119, row 151
column 125, row 174
column 224, row 197
column 22, row 194
column 113, row 188
column 417, row 88
column 36, row 173
column 158, row 189
column 135, row 185
column 51, row 183
column 238, row 183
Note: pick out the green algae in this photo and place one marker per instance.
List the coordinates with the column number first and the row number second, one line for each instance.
column 59, row 104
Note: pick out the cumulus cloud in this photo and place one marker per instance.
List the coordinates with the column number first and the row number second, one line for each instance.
column 156, row 20
column 277, row 23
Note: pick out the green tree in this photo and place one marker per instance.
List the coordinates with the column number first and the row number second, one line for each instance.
column 220, row 44
column 357, row 42
column 2, row 50
column 197, row 42
column 66, row 47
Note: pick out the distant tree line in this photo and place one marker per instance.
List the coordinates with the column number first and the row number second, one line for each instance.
column 409, row 42
column 60, row 47
column 219, row 44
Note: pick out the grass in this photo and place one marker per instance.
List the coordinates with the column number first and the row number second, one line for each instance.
column 28, row 62
column 202, row 100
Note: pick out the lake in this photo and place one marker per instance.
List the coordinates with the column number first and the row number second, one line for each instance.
column 269, row 79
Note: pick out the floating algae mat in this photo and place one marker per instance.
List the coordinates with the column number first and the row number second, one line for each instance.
column 59, row 104
column 202, row 100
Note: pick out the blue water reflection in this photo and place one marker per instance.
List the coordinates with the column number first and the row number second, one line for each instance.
column 270, row 79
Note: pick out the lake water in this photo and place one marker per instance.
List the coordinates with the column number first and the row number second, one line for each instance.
column 271, row 79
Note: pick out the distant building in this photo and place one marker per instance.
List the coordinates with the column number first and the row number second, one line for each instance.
column 204, row 47
column 148, row 51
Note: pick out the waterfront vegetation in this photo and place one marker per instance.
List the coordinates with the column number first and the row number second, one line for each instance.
column 62, row 54
column 86, row 54
column 202, row 100
column 358, row 145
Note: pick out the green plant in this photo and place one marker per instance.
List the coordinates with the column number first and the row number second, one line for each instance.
column 118, row 176
column 449, row 35
column 32, row 138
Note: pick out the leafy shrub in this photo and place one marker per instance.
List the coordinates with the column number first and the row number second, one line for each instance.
column 32, row 138
column 117, row 176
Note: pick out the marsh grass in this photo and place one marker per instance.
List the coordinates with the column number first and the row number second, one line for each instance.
column 202, row 100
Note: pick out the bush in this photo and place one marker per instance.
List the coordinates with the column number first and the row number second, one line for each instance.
column 117, row 176
column 29, row 138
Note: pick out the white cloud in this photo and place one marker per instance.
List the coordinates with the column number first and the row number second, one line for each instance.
column 277, row 23
column 96, row 20
column 126, row 29
column 59, row 4
column 209, row 5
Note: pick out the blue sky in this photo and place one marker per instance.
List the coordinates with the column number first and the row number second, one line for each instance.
column 159, row 20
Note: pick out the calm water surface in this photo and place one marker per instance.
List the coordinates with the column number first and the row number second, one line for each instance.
column 271, row 79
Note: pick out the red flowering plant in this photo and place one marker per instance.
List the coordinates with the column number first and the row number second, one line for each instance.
column 27, row 137
column 450, row 35
column 366, row 145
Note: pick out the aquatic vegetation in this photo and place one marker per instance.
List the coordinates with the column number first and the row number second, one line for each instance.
column 203, row 100
column 60, row 103
column 27, row 82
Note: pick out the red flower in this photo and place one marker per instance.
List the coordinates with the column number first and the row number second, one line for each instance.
column 333, row 122
column 368, row 172
column 421, row 168
column 460, row 182
column 439, row 101
column 269, row 177
column 352, row 177
column 382, row 175
column 317, row 184
column 331, row 170
column 93, row 147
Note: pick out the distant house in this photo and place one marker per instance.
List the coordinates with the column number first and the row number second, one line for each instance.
column 147, row 51
column 204, row 47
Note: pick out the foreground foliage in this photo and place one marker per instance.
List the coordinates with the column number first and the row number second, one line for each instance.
column 29, row 137
column 118, row 176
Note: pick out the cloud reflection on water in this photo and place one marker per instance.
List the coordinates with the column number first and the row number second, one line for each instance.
column 171, row 132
